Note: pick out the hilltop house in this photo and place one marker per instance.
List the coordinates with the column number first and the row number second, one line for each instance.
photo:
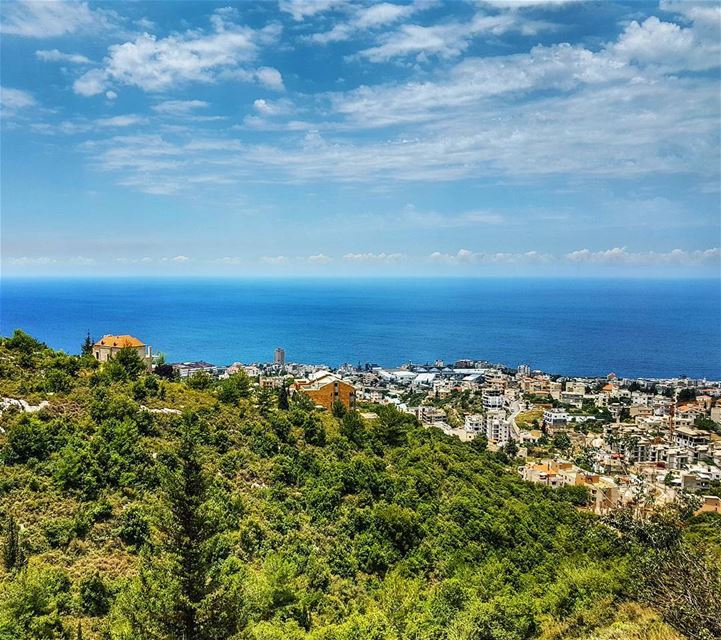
column 108, row 346
column 324, row 388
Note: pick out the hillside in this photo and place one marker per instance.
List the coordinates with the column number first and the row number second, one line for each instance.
column 140, row 508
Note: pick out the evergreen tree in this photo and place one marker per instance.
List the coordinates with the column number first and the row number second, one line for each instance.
column 283, row 398
column 86, row 348
column 185, row 532
column 11, row 548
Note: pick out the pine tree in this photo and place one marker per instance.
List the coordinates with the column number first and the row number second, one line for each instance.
column 185, row 493
column 86, row 349
column 283, row 399
column 12, row 554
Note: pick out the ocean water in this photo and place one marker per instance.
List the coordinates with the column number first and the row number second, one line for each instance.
column 651, row 328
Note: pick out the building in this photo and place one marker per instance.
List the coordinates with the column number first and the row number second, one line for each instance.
column 325, row 388
column 555, row 417
column 497, row 427
column 474, row 423
column 493, row 399
column 523, row 370
column 186, row 369
column 109, row 346
column 279, row 357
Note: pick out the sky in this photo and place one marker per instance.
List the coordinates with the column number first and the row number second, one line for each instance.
column 337, row 138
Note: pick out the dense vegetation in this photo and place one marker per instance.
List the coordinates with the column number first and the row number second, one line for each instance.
column 244, row 514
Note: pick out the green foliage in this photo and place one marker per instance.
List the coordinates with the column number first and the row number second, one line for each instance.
column 23, row 343
column 235, row 387
column 94, row 595
column 200, row 380
column 130, row 361
column 251, row 517
column 338, row 409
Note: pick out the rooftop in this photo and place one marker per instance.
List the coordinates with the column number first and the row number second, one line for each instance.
column 119, row 341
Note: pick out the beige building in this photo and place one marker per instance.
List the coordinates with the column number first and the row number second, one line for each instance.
column 108, row 347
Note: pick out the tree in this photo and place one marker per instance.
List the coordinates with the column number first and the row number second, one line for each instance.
column 131, row 362
column 283, row 398
column 234, row 388
column 479, row 443
column 23, row 343
column 338, row 409
column 314, row 431
column 185, row 530
column 86, row 348
column 511, row 448
column 686, row 395
column 562, row 441
column 94, row 595
column 353, row 427
column 12, row 553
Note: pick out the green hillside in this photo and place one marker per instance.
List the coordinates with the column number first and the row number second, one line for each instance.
column 238, row 519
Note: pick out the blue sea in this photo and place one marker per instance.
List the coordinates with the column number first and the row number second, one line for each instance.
column 651, row 328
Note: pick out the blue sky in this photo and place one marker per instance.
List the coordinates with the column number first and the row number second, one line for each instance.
column 334, row 138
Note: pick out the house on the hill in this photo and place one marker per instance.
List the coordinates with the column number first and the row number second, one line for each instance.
column 108, row 347
column 324, row 388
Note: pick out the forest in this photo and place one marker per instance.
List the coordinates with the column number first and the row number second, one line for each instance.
column 134, row 506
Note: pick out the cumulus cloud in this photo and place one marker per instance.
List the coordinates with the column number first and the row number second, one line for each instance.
column 319, row 259
column 604, row 257
column 53, row 55
column 32, row 19
column 120, row 121
column 179, row 107
column 364, row 18
column 302, row 9
column 377, row 258
column 447, row 40
column 275, row 260
column 14, row 100
column 621, row 255
column 157, row 64
column 26, row 261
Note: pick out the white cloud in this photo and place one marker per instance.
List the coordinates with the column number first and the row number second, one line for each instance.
column 53, row 55
column 447, row 40
column 465, row 256
column 668, row 46
column 49, row 19
column 26, row 261
column 382, row 258
column 157, row 64
column 620, row 255
column 180, row 259
column 270, row 78
column 319, row 259
column 119, row 121
column 368, row 17
column 13, row 100
column 275, row 260
column 179, row 107
column 608, row 257
column 92, row 83
column 524, row 4
column 301, row 9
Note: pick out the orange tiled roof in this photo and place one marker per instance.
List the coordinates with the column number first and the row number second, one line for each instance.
column 119, row 341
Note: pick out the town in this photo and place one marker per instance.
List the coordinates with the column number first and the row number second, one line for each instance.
column 641, row 443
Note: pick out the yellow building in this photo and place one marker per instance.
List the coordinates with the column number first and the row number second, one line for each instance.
column 324, row 388
column 108, row 347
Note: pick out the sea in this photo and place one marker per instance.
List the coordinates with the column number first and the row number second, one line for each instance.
column 634, row 328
